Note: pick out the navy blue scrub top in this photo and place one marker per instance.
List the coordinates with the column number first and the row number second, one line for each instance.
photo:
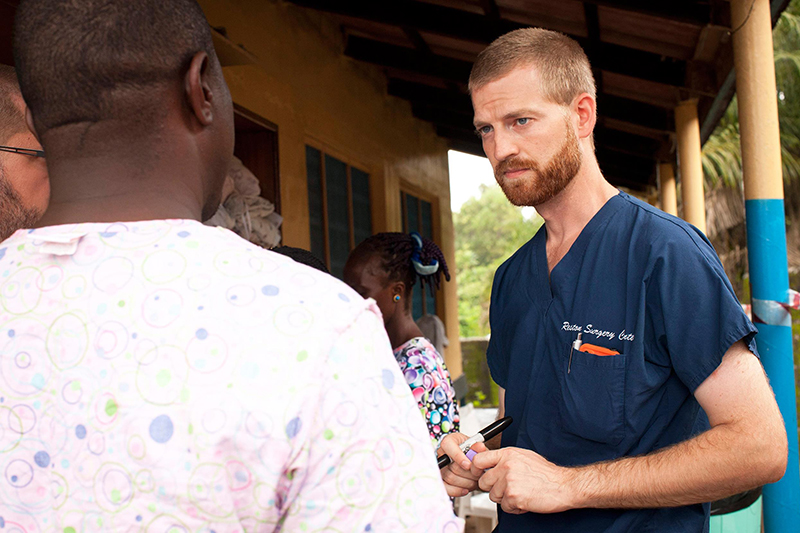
column 637, row 281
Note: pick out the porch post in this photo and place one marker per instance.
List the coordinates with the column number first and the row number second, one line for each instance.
column 766, row 235
column 687, row 127
column 666, row 188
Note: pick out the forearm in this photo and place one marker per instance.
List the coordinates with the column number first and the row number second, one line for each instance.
column 494, row 442
column 718, row 463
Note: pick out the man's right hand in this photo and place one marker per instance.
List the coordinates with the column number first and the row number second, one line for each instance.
column 460, row 476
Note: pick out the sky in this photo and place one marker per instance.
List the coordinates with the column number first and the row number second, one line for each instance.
column 467, row 174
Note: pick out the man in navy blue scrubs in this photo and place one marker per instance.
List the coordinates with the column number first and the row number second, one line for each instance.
column 611, row 328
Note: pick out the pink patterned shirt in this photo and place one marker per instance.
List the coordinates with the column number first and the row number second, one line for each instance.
column 166, row 376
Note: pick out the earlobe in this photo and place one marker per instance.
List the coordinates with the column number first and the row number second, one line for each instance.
column 197, row 89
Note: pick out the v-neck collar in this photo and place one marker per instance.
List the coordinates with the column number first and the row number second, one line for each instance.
column 549, row 281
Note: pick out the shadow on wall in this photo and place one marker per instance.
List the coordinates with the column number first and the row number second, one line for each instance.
column 481, row 389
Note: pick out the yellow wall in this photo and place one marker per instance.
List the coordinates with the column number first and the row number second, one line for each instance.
column 301, row 81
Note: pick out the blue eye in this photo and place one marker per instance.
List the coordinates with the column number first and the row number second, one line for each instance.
column 484, row 130
column 522, row 121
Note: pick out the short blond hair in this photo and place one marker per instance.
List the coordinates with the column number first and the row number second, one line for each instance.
column 562, row 64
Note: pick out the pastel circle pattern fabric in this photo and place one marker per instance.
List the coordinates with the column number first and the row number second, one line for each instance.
column 164, row 376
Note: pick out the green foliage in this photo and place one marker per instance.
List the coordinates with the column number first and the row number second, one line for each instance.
column 488, row 230
column 722, row 158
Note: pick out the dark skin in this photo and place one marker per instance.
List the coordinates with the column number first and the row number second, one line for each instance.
column 169, row 166
column 367, row 277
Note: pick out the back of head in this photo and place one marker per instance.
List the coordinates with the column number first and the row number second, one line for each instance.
column 405, row 257
column 561, row 62
column 12, row 117
column 94, row 60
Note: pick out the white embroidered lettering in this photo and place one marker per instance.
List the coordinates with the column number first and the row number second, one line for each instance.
column 599, row 334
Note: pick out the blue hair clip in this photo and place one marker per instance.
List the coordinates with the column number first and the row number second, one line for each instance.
column 422, row 270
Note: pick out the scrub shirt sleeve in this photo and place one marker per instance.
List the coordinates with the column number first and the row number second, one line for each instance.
column 693, row 309
column 496, row 356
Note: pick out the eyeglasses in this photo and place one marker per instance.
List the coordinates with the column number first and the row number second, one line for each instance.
column 23, row 151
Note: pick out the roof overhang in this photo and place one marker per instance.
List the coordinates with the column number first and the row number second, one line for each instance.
column 647, row 57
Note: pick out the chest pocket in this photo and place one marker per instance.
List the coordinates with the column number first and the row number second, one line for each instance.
column 593, row 397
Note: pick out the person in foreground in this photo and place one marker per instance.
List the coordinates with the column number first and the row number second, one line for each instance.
column 385, row 267
column 611, row 329
column 24, row 188
column 159, row 374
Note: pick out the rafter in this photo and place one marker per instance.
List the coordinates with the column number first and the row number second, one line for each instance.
column 474, row 27
column 454, row 108
column 696, row 13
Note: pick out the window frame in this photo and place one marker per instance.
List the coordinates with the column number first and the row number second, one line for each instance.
column 349, row 164
column 436, row 235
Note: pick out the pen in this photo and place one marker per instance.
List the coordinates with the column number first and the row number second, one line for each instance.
column 576, row 345
column 483, row 435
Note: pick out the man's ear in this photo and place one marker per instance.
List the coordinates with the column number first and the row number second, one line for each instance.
column 197, row 88
column 586, row 108
column 29, row 122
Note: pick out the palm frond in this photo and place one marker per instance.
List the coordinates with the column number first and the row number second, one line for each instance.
column 722, row 160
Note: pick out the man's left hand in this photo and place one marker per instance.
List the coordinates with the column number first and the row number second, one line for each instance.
column 524, row 481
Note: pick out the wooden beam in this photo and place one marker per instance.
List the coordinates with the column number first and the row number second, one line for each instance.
column 621, row 61
column 623, row 144
column 625, row 171
column 696, row 13
column 627, row 181
column 455, row 109
column 592, row 22
column 469, row 148
column 628, row 142
column 387, row 55
column 460, row 134
column 593, row 33
column 490, row 9
column 473, row 27
column 418, row 92
column 638, row 113
column 632, row 171
column 417, row 40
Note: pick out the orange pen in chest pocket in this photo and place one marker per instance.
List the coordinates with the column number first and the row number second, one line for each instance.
column 586, row 347
column 597, row 350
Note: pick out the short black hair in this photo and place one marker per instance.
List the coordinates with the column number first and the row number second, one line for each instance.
column 94, row 60
column 396, row 251
column 12, row 118
column 302, row 256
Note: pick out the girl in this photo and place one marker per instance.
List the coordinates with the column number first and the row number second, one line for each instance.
column 385, row 267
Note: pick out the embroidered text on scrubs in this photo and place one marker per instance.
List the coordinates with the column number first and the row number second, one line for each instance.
column 598, row 333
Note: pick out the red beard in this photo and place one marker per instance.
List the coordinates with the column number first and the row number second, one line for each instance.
column 545, row 184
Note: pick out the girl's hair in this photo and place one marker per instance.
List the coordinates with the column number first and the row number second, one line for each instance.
column 406, row 257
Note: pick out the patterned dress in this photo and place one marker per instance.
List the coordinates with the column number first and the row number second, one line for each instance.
column 166, row 376
column 427, row 375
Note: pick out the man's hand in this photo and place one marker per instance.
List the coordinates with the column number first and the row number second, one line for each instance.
column 460, row 477
column 524, row 481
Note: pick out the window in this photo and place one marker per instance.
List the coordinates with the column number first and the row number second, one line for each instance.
column 257, row 147
column 340, row 215
column 418, row 216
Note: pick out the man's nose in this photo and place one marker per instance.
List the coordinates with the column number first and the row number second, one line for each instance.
column 504, row 145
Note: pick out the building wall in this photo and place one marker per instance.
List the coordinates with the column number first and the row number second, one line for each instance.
column 300, row 80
